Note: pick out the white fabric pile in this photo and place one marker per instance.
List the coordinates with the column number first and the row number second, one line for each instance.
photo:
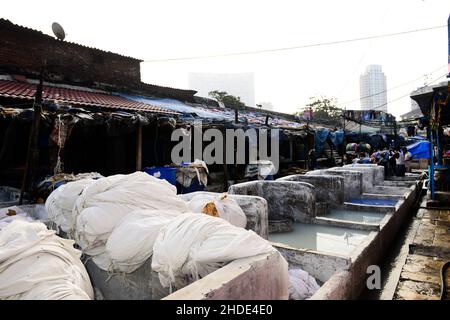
column 131, row 241
column 88, row 210
column 103, row 203
column 122, row 220
column 195, row 245
column 227, row 208
column 8, row 215
column 301, row 285
column 60, row 203
column 37, row 264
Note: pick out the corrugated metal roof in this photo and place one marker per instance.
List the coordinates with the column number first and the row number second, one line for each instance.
column 178, row 106
column 24, row 90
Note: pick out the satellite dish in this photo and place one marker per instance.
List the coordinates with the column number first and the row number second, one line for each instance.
column 58, row 31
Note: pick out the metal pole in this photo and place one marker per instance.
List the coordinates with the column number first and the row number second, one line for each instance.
column 343, row 139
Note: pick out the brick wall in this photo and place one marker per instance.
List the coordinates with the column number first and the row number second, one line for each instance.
column 22, row 51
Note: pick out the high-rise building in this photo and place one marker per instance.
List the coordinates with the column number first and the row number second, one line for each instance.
column 241, row 85
column 372, row 88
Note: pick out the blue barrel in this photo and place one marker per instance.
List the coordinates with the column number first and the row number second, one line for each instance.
column 167, row 173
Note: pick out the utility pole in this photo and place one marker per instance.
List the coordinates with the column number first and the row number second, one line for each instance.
column 33, row 149
column 343, row 139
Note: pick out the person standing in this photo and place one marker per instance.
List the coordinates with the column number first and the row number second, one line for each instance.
column 312, row 163
column 408, row 158
column 400, row 163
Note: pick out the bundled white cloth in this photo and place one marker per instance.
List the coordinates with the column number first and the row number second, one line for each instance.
column 194, row 245
column 37, row 264
column 104, row 202
column 60, row 204
column 227, row 208
column 131, row 241
column 301, row 285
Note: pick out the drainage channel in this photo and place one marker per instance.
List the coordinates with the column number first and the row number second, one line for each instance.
column 394, row 261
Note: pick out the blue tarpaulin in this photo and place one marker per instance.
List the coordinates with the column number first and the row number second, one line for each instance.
column 419, row 150
column 337, row 138
column 321, row 135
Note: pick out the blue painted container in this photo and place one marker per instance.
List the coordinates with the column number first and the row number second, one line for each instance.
column 167, row 173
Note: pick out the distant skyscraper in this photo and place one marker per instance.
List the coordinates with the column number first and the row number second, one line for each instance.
column 372, row 85
column 237, row 84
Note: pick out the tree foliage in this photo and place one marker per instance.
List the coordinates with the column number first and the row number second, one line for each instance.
column 227, row 99
column 324, row 110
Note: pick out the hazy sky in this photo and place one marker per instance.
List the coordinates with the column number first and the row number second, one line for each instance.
column 169, row 29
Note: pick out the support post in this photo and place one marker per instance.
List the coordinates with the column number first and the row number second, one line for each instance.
column 33, row 149
column 139, row 148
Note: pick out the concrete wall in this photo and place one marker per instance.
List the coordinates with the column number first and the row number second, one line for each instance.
column 352, row 180
column 23, row 50
column 329, row 188
column 262, row 277
column 142, row 284
column 286, row 199
column 318, row 264
column 254, row 207
column 368, row 176
column 379, row 170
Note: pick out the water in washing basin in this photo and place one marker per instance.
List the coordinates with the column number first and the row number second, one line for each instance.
column 355, row 216
column 374, row 202
column 321, row 238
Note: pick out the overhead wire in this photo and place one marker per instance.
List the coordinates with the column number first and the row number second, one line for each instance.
column 295, row 47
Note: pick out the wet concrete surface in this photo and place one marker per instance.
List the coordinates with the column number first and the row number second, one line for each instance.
column 393, row 263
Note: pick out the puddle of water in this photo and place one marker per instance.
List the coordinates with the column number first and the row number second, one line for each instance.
column 376, row 202
column 321, row 238
column 355, row 216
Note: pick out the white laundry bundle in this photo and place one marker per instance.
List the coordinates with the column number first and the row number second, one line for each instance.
column 130, row 243
column 106, row 201
column 194, row 245
column 226, row 207
column 37, row 264
column 9, row 214
column 301, row 285
column 59, row 204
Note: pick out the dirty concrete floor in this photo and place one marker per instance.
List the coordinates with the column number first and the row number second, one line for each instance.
column 428, row 251
column 393, row 264
column 412, row 270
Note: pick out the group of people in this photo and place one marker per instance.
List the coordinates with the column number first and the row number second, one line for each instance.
column 394, row 160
